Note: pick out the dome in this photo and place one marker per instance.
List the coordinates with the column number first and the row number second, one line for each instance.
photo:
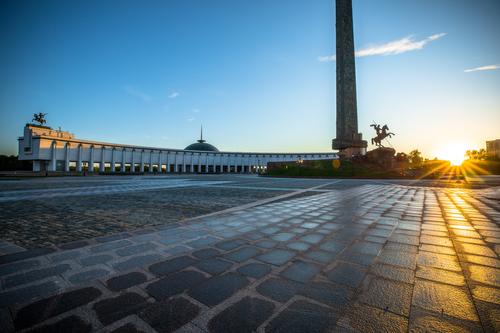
column 201, row 145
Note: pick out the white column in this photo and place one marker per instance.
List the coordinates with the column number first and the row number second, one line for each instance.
column 160, row 161
column 184, row 162
column 113, row 160
column 142, row 160
column 79, row 159
column 132, row 168
column 175, row 163
column 101, row 165
column 52, row 165
column 91, row 162
column 124, row 153
column 228, row 163
column 167, row 162
column 199, row 162
column 150, row 161
column 66, row 157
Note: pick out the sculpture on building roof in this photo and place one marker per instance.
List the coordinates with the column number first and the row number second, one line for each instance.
column 382, row 133
column 39, row 118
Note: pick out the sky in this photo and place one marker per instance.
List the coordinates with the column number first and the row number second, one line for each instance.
column 258, row 74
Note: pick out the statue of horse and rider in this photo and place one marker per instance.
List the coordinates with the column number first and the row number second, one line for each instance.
column 39, row 118
column 382, row 133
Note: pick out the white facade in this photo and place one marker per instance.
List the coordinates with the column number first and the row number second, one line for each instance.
column 52, row 150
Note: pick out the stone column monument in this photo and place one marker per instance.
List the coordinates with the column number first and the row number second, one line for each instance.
column 348, row 141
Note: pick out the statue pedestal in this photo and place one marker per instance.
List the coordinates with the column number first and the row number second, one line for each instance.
column 382, row 156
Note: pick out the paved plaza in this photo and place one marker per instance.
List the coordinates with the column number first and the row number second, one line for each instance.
column 243, row 253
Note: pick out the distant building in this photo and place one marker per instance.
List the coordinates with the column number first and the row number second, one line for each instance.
column 493, row 148
column 55, row 150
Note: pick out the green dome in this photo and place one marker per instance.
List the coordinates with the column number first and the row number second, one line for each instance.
column 201, row 145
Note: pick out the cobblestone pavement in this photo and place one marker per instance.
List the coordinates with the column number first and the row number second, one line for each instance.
column 368, row 257
column 47, row 212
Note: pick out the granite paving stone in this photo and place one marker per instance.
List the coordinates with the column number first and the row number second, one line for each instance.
column 300, row 271
column 110, row 246
column 37, row 274
column 137, row 261
column 332, row 295
column 303, row 316
column 276, row 257
column 206, row 253
column 73, row 324
column 24, row 294
column 213, row 265
column 230, row 244
column 95, row 260
column 242, row 254
column 40, row 310
column 254, row 270
column 218, row 288
column 170, row 314
column 320, row 256
column 388, row 295
column 125, row 281
column 348, row 274
column 171, row 265
column 364, row 318
column 278, row 289
column 18, row 266
column 127, row 328
column 298, row 246
column 175, row 284
column 135, row 249
column 88, row 275
column 244, row 316
column 112, row 309
column 442, row 298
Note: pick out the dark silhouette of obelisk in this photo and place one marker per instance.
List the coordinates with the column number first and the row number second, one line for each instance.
column 348, row 141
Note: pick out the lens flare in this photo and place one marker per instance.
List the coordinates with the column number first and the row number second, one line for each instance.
column 455, row 153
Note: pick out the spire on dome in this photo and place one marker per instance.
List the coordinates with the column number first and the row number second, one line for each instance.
column 201, row 135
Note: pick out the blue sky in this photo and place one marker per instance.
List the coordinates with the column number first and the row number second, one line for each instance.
column 259, row 75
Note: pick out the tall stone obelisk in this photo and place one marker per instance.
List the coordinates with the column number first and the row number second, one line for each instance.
column 348, row 141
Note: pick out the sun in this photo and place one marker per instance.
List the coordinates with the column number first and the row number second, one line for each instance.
column 455, row 153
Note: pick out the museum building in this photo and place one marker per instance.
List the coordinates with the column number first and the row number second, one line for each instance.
column 56, row 150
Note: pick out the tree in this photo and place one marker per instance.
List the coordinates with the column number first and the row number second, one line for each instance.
column 415, row 157
column 402, row 157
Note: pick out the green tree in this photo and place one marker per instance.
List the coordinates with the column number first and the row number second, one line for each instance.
column 415, row 157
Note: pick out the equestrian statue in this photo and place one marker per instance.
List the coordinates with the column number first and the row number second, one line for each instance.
column 382, row 133
column 39, row 118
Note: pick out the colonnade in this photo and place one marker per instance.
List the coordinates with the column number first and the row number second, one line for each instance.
column 93, row 157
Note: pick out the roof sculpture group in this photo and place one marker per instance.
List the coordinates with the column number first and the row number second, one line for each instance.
column 39, row 118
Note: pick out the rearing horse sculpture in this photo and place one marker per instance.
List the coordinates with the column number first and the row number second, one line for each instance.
column 381, row 134
column 39, row 118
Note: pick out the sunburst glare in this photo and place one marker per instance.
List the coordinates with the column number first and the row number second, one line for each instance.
column 454, row 152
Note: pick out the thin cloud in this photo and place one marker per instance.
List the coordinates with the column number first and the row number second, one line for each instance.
column 174, row 94
column 482, row 68
column 191, row 119
column 399, row 46
column 137, row 93
column 196, row 110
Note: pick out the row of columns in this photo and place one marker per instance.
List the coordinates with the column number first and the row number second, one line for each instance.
column 179, row 159
column 187, row 158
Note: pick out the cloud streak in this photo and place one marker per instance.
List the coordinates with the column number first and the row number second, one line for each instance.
column 395, row 47
column 174, row 94
column 482, row 68
column 137, row 93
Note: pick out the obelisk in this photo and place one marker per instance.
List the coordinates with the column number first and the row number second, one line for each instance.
column 348, row 141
